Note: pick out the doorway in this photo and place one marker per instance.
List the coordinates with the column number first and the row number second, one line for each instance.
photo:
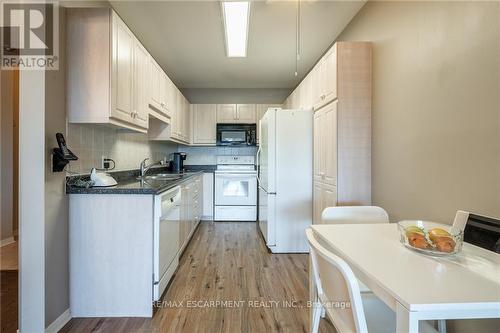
column 9, row 218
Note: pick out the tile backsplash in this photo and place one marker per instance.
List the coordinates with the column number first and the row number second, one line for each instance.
column 208, row 155
column 127, row 149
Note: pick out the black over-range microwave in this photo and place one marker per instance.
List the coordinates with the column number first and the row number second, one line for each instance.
column 236, row 135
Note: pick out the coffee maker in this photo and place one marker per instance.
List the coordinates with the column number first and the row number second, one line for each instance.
column 177, row 162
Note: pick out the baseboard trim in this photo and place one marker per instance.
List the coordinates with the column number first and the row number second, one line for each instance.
column 59, row 323
column 7, row 241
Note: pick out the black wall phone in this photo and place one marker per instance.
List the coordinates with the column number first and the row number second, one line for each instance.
column 61, row 155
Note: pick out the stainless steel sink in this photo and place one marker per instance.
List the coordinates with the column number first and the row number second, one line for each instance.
column 160, row 177
column 169, row 175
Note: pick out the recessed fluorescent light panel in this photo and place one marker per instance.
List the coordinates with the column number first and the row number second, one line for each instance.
column 236, row 14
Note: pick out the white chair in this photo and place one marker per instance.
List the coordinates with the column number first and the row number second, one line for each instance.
column 460, row 220
column 336, row 285
column 357, row 215
column 354, row 214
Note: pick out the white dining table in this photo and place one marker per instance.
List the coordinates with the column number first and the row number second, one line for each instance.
column 417, row 286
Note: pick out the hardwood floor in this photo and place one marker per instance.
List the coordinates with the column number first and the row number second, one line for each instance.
column 9, row 257
column 9, row 288
column 8, row 301
column 225, row 261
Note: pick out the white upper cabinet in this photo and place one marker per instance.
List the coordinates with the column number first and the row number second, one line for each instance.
column 325, row 79
column 160, row 101
column 177, row 121
column 103, row 61
column 305, row 99
column 226, row 113
column 245, row 113
column 204, row 124
column 140, row 110
column 156, row 98
column 329, row 83
column 122, row 71
column 236, row 113
column 186, row 120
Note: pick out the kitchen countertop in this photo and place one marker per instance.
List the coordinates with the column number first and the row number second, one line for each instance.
column 129, row 184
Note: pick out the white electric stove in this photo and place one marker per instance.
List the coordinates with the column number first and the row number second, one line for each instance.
column 235, row 189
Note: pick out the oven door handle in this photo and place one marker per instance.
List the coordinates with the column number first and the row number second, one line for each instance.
column 242, row 176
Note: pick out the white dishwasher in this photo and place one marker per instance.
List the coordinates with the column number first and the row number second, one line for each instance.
column 167, row 216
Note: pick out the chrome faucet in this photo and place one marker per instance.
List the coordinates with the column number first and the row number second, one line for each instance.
column 144, row 168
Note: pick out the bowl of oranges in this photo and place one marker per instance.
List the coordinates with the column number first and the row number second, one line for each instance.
column 430, row 238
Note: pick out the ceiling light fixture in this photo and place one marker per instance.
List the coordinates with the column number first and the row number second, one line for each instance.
column 236, row 17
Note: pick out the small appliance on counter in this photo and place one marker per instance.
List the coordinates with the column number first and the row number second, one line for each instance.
column 101, row 179
column 177, row 162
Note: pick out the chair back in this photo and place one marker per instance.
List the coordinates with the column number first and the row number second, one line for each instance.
column 354, row 214
column 337, row 288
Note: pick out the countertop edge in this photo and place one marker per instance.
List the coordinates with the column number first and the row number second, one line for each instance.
column 131, row 191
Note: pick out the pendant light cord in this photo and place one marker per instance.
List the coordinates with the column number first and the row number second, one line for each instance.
column 297, row 40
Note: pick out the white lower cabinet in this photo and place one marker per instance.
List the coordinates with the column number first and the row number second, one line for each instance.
column 324, row 196
column 208, row 196
column 123, row 253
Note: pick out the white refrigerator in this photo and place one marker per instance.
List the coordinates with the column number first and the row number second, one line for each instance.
column 285, row 163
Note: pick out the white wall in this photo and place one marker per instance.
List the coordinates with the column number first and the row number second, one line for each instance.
column 56, row 201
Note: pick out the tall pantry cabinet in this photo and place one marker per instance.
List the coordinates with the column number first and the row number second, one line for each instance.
column 342, row 128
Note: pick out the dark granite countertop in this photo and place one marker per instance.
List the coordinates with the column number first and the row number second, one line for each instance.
column 129, row 184
column 204, row 168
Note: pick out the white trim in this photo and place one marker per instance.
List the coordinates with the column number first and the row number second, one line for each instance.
column 59, row 323
column 32, row 156
column 7, row 241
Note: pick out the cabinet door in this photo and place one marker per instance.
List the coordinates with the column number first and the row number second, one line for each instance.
column 226, row 113
column 177, row 120
column 316, row 85
column 328, row 196
column 204, row 124
column 122, row 74
column 330, row 75
column 317, row 144
column 245, row 113
column 187, row 120
column 208, row 195
column 317, row 202
column 329, row 144
column 171, row 97
column 140, row 95
column 184, row 226
column 305, row 92
column 155, row 85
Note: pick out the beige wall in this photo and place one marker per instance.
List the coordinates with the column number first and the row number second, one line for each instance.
column 6, row 154
column 436, row 106
column 436, row 110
